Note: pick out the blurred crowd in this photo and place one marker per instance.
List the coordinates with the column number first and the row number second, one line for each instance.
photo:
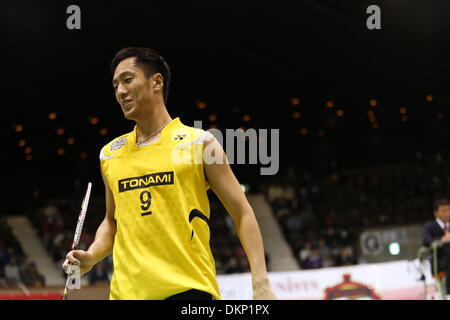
column 16, row 269
column 322, row 213
column 55, row 222
column 226, row 248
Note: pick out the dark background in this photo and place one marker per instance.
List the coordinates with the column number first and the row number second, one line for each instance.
column 237, row 57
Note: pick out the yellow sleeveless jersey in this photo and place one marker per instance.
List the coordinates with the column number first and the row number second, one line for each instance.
column 161, row 247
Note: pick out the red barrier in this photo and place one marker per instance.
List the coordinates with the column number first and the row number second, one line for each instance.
column 32, row 296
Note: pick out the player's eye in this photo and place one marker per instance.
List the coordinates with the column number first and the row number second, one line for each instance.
column 128, row 80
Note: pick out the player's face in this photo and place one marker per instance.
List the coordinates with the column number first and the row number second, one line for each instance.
column 134, row 91
column 443, row 212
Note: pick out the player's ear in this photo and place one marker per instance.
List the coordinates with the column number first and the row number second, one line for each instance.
column 157, row 81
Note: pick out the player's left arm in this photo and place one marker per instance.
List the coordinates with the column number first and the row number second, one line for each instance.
column 223, row 182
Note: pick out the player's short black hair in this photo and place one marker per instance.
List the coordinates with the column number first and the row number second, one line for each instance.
column 440, row 202
column 151, row 62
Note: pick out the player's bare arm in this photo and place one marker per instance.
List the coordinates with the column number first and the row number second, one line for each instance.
column 104, row 239
column 224, row 183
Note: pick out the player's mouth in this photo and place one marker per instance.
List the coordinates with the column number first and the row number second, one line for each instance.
column 126, row 103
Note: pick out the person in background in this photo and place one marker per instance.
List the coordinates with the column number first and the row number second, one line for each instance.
column 12, row 271
column 2, row 276
column 345, row 257
column 438, row 230
column 304, row 253
column 32, row 278
column 98, row 274
column 313, row 261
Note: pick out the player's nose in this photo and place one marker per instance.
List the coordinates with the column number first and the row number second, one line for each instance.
column 121, row 91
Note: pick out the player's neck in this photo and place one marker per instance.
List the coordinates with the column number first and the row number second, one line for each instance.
column 153, row 121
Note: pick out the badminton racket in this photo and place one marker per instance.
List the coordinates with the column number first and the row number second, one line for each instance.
column 79, row 228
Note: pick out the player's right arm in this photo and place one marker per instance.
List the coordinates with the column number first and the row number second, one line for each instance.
column 104, row 239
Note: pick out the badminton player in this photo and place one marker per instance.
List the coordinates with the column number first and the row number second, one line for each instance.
column 157, row 209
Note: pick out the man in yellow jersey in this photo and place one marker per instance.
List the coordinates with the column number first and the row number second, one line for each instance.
column 157, row 209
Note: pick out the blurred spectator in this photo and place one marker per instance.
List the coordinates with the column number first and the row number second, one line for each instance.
column 243, row 264
column 4, row 256
column 13, row 262
column 240, row 252
column 232, row 266
column 109, row 265
column 325, row 253
column 289, row 195
column 2, row 276
column 275, row 193
column 313, row 261
column 98, row 274
column 305, row 252
column 50, row 222
column 32, row 278
column 12, row 271
column 345, row 257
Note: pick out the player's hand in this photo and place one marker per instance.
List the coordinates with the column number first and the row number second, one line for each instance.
column 263, row 291
column 83, row 259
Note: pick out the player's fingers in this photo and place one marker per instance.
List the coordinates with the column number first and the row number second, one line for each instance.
column 79, row 254
column 69, row 270
column 72, row 259
column 67, row 267
column 65, row 264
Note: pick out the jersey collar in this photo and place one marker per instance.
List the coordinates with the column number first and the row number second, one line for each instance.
column 168, row 127
column 441, row 223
